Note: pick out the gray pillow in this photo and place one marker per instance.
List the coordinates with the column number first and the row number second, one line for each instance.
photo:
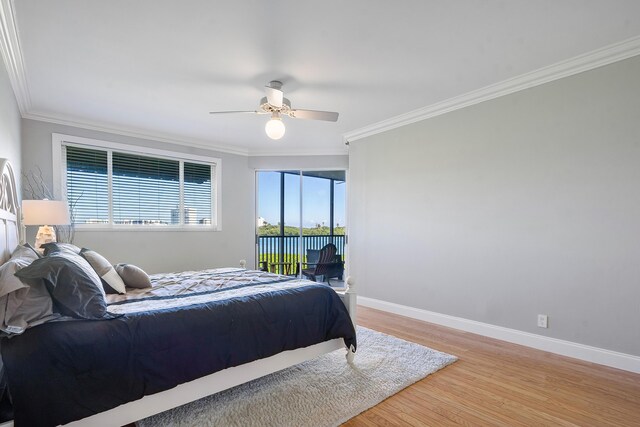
column 12, row 294
column 22, row 305
column 26, row 252
column 74, row 287
column 133, row 277
column 57, row 246
column 105, row 270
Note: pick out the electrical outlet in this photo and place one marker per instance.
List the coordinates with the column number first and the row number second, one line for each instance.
column 543, row 321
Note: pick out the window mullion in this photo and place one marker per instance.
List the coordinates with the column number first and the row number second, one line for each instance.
column 63, row 169
column 110, row 184
column 214, row 203
column 181, row 198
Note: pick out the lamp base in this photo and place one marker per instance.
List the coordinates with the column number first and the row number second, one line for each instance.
column 46, row 234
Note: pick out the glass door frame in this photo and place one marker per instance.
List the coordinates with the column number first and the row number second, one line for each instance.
column 300, row 172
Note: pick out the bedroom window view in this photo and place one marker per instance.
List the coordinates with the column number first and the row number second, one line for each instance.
column 145, row 191
column 301, row 219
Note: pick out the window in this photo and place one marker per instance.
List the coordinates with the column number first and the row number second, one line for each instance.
column 87, row 185
column 146, row 190
column 117, row 186
column 298, row 212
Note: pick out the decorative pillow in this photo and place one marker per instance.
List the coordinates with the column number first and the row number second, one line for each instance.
column 12, row 293
column 74, row 286
column 133, row 277
column 22, row 306
column 26, row 252
column 57, row 246
column 105, row 270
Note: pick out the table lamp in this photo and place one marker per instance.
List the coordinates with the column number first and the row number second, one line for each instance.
column 41, row 212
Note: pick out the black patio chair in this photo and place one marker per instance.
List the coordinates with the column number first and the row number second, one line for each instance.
column 328, row 265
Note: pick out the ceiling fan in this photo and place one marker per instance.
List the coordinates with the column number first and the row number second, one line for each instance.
column 277, row 105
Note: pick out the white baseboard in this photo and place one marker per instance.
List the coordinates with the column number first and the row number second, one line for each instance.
column 601, row 356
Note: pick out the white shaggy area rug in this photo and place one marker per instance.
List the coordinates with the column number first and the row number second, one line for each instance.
column 325, row 391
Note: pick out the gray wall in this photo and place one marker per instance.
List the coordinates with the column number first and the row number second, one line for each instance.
column 298, row 162
column 9, row 123
column 161, row 251
column 525, row 204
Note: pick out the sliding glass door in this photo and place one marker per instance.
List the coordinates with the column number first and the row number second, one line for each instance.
column 299, row 213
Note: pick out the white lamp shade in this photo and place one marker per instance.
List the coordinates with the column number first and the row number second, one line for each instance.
column 45, row 212
column 274, row 128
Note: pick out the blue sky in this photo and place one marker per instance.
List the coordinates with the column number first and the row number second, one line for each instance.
column 316, row 195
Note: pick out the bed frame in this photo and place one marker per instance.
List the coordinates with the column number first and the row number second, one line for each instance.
column 9, row 211
column 10, row 236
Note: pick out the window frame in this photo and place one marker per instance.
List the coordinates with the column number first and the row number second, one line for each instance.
column 60, row 180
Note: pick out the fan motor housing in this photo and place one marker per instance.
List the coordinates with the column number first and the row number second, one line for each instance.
column 268, row 108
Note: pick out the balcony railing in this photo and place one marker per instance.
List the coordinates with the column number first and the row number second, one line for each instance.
column 285, row 250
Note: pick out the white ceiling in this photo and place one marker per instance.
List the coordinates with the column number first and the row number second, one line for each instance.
column 158, row 67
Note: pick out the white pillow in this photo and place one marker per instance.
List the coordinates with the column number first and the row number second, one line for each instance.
column 104, row 269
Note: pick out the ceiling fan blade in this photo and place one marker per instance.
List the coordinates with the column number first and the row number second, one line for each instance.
column 234, row 112
column 274, row 96
column 328, row 116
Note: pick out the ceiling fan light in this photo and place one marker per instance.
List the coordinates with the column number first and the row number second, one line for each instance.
column 274, row 128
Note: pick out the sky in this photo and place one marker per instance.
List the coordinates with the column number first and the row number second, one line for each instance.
column 316, row 200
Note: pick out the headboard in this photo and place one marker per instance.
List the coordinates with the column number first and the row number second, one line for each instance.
column 9, row 211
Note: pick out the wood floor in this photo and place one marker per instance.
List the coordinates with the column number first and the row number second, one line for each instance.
column 498, row 383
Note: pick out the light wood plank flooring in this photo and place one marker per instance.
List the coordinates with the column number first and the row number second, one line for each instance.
column 498, row 383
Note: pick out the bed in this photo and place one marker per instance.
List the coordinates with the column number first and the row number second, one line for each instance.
column 191, row 335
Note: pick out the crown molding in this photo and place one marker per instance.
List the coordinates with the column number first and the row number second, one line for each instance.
column 177, row 140
column 578, row 64
column 12, row 55
column 134, row 133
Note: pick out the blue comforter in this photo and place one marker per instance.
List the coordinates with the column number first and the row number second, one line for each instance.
column 64, row 371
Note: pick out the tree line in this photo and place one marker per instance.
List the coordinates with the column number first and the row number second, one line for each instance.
column 318, row 230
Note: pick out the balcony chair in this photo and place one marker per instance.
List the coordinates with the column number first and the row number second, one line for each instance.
column 328, row 264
